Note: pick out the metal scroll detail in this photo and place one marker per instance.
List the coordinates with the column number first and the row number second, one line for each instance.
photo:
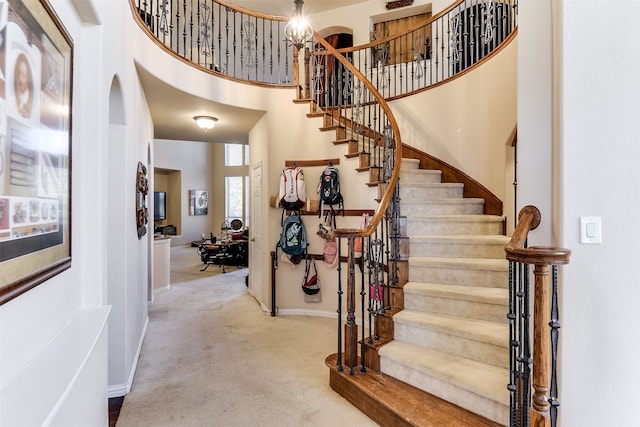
column 206, row 35
column 249, row 45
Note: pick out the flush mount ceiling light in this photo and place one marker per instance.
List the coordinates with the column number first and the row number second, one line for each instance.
column 298, row 31
column 205, row 122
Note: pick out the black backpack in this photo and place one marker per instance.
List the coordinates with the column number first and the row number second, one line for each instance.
column 329, row 189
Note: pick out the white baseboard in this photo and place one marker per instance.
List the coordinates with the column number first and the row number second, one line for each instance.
column 119, row 390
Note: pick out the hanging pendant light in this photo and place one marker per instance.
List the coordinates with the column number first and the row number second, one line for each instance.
column 298, row 31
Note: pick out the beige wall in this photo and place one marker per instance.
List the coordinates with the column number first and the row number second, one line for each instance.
column 201, row 167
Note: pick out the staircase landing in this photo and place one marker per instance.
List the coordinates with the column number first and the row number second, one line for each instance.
column 391, row 402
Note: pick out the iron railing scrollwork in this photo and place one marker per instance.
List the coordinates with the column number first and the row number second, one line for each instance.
column 222, row 38
column 435, row 50
column 533, row 384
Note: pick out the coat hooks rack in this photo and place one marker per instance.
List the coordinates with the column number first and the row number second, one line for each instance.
column 309, row 163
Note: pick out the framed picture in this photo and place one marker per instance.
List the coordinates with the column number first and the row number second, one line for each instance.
column 198, row 202
column 36, row 59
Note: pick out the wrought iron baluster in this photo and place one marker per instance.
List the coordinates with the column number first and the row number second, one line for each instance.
column 352, row 274
column 206, row 35
column 555, row 326
column 340, row 292
column 525, row 355
column 226, row 39
column 198, row 41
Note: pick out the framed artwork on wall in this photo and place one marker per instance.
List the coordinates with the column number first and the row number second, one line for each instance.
column 36, row 58
column 198, row 202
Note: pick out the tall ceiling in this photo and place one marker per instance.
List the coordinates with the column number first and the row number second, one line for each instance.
column 172, row 110
column 285, row 7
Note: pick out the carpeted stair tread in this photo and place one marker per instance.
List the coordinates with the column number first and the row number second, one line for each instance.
column 476, row 330
column 463, row 239
column 446, row 206
column 459, row 246
column 486, row 264
column 427, row 185
column 462, row 217
column 420, row 224
column 498, row 296
column 479, row 378
column 408, row 164
column 418, row 176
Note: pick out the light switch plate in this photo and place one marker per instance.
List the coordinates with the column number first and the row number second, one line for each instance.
column 590, row 229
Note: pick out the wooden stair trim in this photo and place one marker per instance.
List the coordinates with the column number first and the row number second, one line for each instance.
column 391, row 402
column 309, row 163
column 343, row 141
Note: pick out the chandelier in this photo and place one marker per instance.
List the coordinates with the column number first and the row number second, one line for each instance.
column 298, row 31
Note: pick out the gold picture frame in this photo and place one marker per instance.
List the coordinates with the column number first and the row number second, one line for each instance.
column 35, row 146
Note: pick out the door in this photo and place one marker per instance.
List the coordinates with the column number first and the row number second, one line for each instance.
column 255, row 252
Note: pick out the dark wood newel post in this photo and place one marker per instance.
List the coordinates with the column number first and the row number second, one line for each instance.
column 307, row 72
column 296, row 72
column 351, row 328
column 540, row 416
column 545, row 259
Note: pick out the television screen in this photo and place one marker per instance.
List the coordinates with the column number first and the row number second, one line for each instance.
column 159, row 205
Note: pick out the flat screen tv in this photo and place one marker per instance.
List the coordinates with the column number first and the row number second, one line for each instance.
column 159, row 205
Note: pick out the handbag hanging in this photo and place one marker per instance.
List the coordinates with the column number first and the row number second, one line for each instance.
column 311, row 282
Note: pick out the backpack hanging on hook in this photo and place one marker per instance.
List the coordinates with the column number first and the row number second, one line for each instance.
column 292, row 195
column 329, row 189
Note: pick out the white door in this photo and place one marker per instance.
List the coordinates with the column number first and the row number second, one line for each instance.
column 255, row 250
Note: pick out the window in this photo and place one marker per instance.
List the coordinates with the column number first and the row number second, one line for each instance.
column 237, row 183
column 236, row 155
column 234, row 197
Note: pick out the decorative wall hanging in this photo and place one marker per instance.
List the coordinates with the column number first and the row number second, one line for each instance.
column 198, row 202
column 35, row 146
column 142, row 189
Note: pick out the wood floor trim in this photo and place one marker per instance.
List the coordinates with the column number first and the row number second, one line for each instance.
column 390, row 402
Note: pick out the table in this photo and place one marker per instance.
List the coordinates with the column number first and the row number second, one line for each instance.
column 223, row 253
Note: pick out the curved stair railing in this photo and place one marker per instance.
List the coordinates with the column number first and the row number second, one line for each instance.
column 535, row 371
column 372, row 133
column 442, row 48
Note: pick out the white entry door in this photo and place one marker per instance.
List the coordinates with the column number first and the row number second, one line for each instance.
column 255, row 250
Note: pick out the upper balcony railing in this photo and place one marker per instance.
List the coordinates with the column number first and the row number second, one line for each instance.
column 226, row 39
column 242, row 44
column 436, row 50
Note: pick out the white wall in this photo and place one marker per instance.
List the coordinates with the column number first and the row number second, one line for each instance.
column 598, row 152
column 196, row 161
column 468, row 122
column 579, row 144
column 54, row 366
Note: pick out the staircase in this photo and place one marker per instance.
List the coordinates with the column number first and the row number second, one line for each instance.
column 451, row 339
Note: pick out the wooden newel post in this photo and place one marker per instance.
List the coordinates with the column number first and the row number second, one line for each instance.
column 307, row 72
column 541, row 380
column 351, row 328
column 295, row 72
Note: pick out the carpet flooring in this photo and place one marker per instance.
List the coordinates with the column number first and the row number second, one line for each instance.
column 212, row 357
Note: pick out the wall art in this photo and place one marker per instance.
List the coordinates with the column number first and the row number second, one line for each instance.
column 36, row 57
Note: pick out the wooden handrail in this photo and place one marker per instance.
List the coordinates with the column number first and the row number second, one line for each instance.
column 388, row 194
column 545, row 322
column 529, row 219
